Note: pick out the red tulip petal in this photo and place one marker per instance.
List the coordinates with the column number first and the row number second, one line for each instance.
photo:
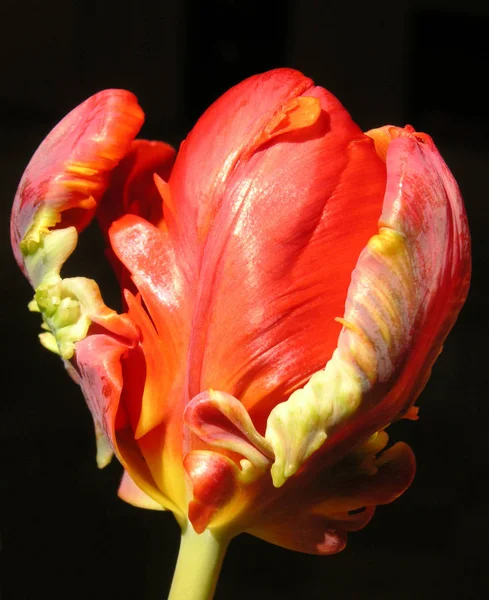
column 69, row 173
column 99, row 360
column 149, row 256
column 270, row 222
column 214, row 479
column 407, row 289
column 236, row 121
column 133, row 191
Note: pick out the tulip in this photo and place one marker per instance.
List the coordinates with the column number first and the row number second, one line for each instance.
column 288, row 282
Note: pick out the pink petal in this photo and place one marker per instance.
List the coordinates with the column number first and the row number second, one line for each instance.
column 406, row 291
column 69, row 172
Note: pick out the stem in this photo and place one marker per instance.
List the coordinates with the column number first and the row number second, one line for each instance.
column 198, row 566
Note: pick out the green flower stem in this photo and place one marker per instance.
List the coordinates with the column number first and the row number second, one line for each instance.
column 198, row 566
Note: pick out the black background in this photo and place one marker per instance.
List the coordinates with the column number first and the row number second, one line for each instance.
column 65, row 534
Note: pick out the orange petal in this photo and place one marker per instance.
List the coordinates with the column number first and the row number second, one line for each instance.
column 148, row 408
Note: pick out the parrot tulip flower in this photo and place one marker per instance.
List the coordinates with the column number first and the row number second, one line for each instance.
column 288, row 282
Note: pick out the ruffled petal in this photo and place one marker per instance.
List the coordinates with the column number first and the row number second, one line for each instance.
column 70, row 171
column 221, row 421
column 406, row 291
column 316, row 515
column 57, row 197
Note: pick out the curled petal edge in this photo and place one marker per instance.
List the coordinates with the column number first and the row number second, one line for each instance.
column 220, row 477
column 57, row 197
column 396, row 313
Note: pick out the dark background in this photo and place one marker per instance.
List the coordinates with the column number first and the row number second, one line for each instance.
column 65, row 534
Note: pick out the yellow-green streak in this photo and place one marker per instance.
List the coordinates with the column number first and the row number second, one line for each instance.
column 198, row 566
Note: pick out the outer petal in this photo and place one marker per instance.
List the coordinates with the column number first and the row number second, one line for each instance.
column 99, row 361
column 261, row 233
column 407, row 289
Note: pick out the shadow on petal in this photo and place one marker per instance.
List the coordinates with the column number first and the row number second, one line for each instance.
column 314, row 516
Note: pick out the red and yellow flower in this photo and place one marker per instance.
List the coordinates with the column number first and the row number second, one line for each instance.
column 288, row 283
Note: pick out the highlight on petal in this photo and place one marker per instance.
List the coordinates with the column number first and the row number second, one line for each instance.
column 267, row 290
column 406, row 291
